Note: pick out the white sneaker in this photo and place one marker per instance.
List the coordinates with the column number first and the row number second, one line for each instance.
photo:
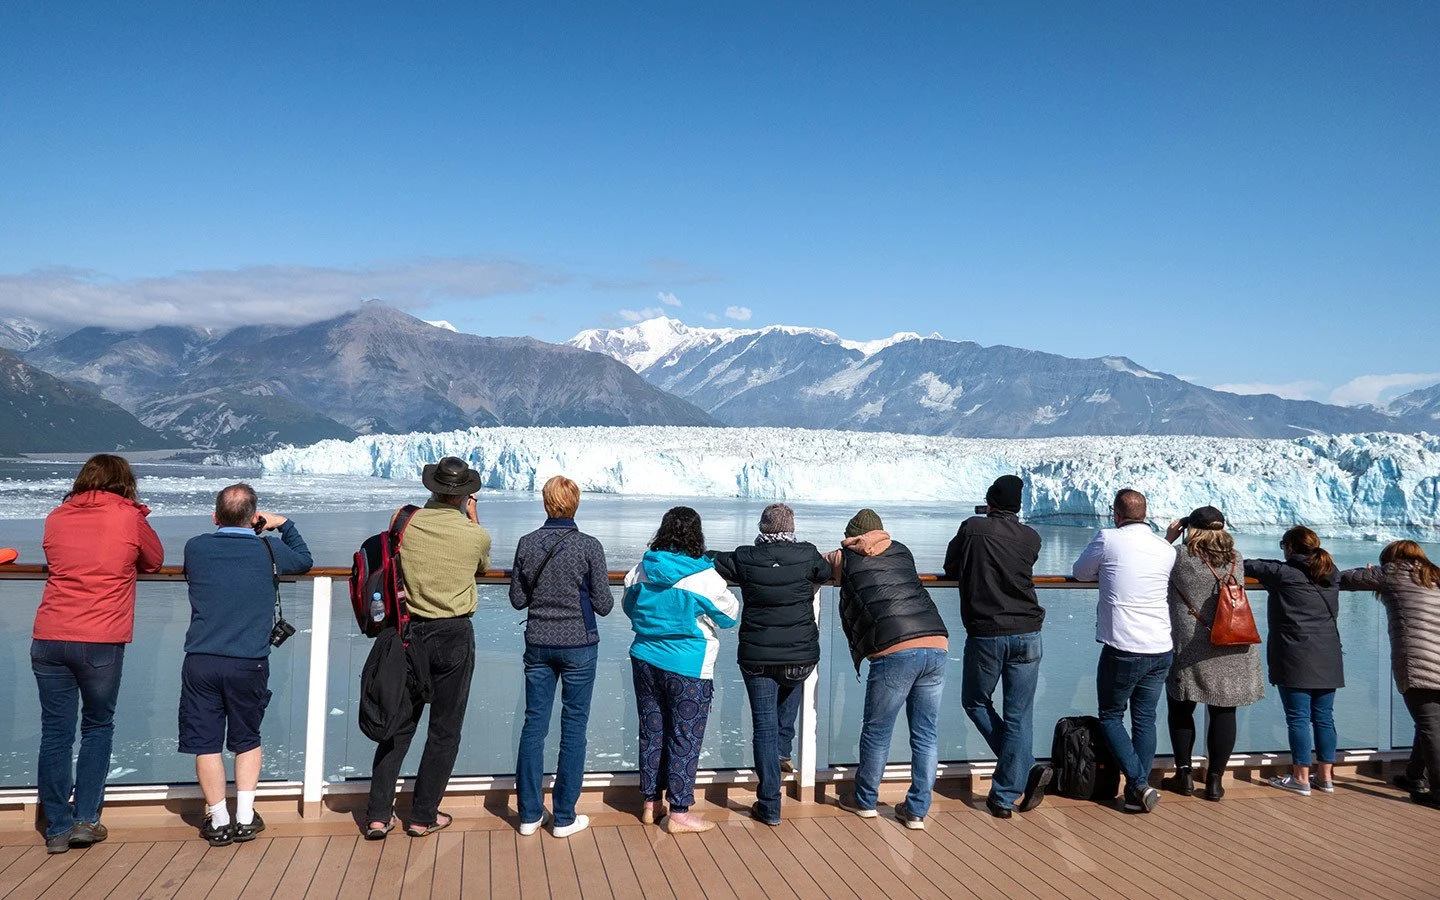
column 529, row 828
column 580, row 824
column 1290, row 783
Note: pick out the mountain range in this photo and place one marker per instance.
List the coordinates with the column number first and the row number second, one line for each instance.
column 812, row 378
column 379, row 370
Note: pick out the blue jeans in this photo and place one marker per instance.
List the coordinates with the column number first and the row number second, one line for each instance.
column 913, row 679
column 1136, row 680
column 574, row 668
column 81, row 681
column 1013, row 660
column 1310, row 719
column 774, row 704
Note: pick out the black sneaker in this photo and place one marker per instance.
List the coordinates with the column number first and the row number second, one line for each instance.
column 911, row 821
column 1040, row 775
column 86, row 833
column 60, row 843
column 758, row 816
column 1412, row 785
column 996, row 810
column 223, row 836
column 1143, row 800
column 245, row 833
column 1428, row 798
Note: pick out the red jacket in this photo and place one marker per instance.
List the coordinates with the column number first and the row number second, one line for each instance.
column 95, row 543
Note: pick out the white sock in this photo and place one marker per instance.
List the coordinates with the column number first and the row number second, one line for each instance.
column 244, row 807
column 219, row 815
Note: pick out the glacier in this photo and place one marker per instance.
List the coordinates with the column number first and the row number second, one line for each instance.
column 1377, row 485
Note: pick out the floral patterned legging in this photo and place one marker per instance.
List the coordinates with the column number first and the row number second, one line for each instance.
column 673, row 712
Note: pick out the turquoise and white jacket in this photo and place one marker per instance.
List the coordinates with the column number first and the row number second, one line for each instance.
column 677, row 604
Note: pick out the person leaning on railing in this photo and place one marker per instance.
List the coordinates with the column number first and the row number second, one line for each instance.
column 1409, row 586
column 95, row 542
column 560, row 579
column 992, row 556
column 224, row 681
column 1221, row 677
column 1306, row 661
column 676, row 603
column 779, row 640
column 443, row 550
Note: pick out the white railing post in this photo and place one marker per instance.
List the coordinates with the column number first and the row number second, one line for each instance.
column 809, row 726
column 317, row 706
column 1385, row 706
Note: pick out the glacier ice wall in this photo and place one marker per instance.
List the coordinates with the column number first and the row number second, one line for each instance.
column 1383, row 484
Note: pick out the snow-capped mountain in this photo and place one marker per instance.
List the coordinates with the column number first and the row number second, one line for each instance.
column 1423, row 403
column 1382, row 483
column 24, row 335
column 812, row 378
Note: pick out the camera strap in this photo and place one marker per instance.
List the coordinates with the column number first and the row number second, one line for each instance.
column 274, row 577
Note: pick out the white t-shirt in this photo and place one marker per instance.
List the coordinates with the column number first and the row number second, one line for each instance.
column 1132, row 564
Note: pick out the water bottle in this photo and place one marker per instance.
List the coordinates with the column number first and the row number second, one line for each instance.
column 377, row 608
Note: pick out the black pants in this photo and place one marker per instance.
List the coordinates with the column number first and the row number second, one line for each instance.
column 450, row 647
column 1219, row 739
column 1424, row 706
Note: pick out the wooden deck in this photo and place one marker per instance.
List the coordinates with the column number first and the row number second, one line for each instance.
column 1367, row 840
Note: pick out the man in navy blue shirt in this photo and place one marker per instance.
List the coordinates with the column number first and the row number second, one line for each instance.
column 224, row 682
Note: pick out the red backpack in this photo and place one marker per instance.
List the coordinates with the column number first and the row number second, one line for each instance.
column 375, row 578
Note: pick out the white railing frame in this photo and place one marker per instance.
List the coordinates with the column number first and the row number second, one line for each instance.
column 317, row 707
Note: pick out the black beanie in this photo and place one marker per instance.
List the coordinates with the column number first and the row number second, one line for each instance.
column 1004, row 494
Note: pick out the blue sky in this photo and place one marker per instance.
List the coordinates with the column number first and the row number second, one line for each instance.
column 1239, row 193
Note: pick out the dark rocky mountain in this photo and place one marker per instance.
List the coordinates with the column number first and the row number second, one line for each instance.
column 42, row 414
column 373, row 370
column 812, row 378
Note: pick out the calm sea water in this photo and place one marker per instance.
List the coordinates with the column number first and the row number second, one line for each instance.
column 335, row 513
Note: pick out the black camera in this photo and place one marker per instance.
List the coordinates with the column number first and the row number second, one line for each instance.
column 281, row 632
column 982, row 509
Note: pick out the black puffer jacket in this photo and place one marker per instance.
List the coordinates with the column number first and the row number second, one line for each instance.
column 777, row 587
column 1303, row 646
column 882, row 601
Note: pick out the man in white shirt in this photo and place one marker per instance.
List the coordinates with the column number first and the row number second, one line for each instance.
column 1133, row 565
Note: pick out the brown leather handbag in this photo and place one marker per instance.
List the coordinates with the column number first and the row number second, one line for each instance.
column 1234, row 624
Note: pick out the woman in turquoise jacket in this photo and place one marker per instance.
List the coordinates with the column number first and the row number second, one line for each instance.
column 677, row 603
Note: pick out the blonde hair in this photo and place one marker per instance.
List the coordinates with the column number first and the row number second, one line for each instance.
column 1422, row 571
column 1214, row 545
column 561, row 496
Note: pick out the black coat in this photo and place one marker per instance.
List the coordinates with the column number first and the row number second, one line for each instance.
column 993, row 557
column 777, row 587
column 1303, row 646
column 882, row 602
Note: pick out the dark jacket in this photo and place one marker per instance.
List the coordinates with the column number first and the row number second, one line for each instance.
column 993, row 557
column 777, row 591
column 1303, row 646
column 573, row 588
column 232, row 588
column 882, row 601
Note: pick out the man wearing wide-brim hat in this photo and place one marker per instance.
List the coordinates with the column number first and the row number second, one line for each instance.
column 442, row 549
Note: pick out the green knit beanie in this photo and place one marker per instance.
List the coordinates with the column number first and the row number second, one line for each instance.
column 865, row 520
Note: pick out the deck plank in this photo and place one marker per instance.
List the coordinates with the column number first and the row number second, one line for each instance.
column 589, row 869
column 328, row 875
column 836, row 837
column 114, row 870
column 1180, row 831
column 504, row 865
column 620, row 875
column 11, row 852
column 22, row 867
column 893, row 837
column 742, row 853
column 560, row 869
column 475, row 878
column 145, row 870
column 714, row 882
column 640, row 848
column 849, row 871
column 531, row 859
column 299, row 870
column 390, row 870
column 448, row 869
column 86, row 865
column 211, row 863
column 419, row 872
column 952, row 830
column 243, row 863
column 359, row 873
column 46, row 874
column 266, row 879
column 778, row 845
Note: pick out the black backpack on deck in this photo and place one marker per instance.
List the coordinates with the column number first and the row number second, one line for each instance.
column 1085, row 767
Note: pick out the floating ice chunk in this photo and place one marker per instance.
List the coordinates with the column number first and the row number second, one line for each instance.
column 120, row 772
column 337, row 711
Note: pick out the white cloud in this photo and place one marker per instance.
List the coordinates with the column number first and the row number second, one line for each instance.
column 711, row 317
column 640, row 315
column 1291, row 390
column 275, row 294
column 1379, row 389
column 668, row 298
column 738, row 313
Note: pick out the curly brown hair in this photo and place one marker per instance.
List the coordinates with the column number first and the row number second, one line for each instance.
column 680, row 532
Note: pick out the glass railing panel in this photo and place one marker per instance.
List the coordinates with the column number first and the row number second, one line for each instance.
column 146, row 729
column 496, row 712
column 1402, row 726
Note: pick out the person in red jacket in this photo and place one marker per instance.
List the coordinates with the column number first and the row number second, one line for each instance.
column 95, row 542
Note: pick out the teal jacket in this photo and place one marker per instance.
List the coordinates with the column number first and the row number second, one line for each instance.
column 677, row 605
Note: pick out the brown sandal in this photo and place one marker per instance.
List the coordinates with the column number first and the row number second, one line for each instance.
column 433, row 827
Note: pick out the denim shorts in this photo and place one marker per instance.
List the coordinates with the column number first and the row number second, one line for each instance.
column 222, row 702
